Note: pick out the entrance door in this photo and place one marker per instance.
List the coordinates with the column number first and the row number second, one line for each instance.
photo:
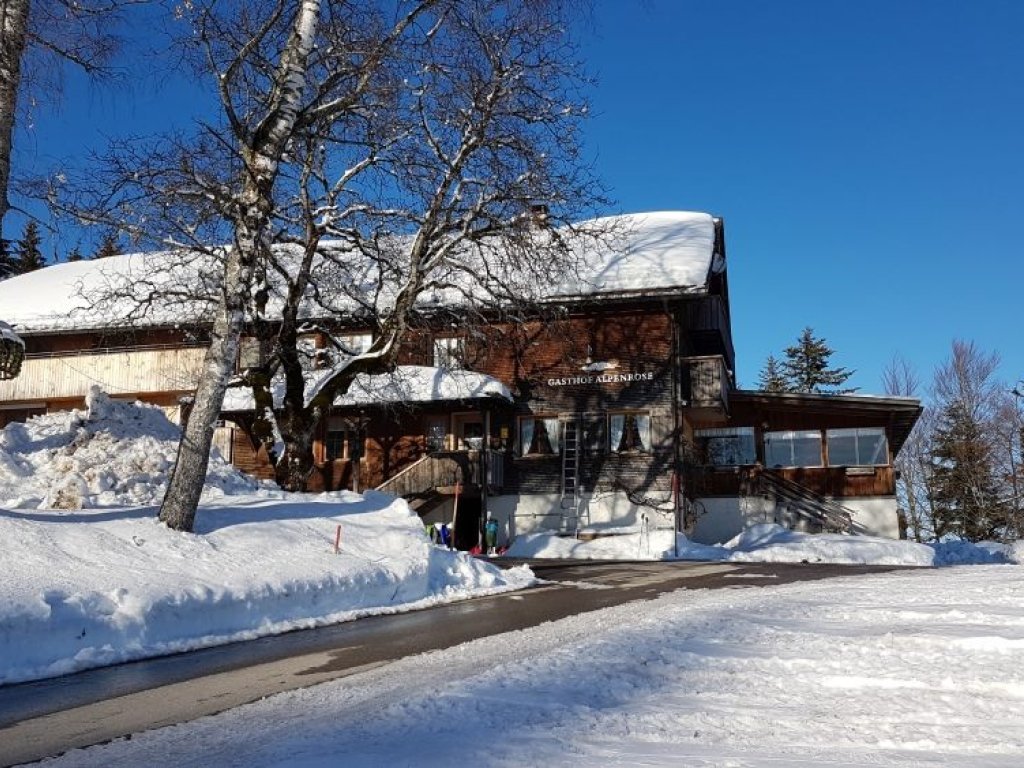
column 468, row 523
column 469, row 432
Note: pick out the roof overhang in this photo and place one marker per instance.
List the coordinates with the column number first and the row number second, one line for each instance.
column 407, row 384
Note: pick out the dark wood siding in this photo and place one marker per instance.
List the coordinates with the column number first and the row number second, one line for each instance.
column 826, row 481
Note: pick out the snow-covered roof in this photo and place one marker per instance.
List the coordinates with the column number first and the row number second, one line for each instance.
column 626, row 254
column 406, row 384
column 644, row 252
column 422, row 384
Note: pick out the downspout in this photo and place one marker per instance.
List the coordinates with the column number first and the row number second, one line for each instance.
column 485, row 473
column 677, row 432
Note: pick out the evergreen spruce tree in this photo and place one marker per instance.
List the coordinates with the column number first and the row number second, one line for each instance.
column 965, row 496
column 27, row 252
column 806, row 367
column 772, row 379
column 75, row 255
column 8, row 266
column 107, row 247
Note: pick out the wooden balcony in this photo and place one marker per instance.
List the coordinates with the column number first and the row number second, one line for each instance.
column 706, row 387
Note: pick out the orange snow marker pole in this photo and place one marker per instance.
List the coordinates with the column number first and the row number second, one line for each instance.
column 337, row 539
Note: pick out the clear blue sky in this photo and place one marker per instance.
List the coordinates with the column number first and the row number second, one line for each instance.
column 866, row 157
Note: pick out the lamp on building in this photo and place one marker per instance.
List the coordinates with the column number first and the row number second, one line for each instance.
column 12, row 352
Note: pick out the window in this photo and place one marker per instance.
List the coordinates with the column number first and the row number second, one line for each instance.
column 727, row 447
column 449, row 352
column 594, row 439
column 629, row 432
column 355, row 343
column 539, row 435
column 344, row 439
column 863, row 446
column 437, row 434
column 792, row 449
column 472, row 436
column 250, row 353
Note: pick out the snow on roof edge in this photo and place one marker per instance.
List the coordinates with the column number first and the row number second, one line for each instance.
column 657, row 252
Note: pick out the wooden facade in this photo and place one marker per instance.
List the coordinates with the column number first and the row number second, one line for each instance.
column 610, row 398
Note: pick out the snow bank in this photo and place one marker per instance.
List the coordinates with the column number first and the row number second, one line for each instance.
column 652, row 545
column 98, row 587
column 769, row 543
column 114, row 453
column 92, row 578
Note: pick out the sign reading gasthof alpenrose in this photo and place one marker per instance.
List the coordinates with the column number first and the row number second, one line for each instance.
column 601, row 378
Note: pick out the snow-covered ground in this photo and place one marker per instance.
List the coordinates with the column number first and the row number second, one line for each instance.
column 767, row 543
column 97, row 582
column 911, row 668
column 921, row 667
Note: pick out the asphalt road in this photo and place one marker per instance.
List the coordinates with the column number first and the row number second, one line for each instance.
column 48, row 717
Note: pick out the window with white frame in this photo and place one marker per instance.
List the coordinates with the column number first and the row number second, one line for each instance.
column 539, row 435
column 250, row 353
column 355, row 343
column 449, row 352
column 860, row 446
column 796, row 448
column 629, row 431
column 727, row 446
column 344, row 439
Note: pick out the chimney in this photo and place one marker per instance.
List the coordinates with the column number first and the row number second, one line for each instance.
column 539, row 214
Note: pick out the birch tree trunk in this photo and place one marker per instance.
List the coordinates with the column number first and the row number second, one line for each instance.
column 13, row 28
column 262, row 155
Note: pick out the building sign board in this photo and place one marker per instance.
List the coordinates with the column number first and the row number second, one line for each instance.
column 601, row 378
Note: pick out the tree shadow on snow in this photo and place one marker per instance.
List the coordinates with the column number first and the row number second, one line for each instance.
column 223, row 515
column 94, row 515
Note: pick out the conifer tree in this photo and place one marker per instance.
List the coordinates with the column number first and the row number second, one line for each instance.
column 27, row 252
column 108, row 247
column 965, row 494
column 806, row 367
column 772, row 379
column 75, row 255
column 8, row 266
column 968, row 494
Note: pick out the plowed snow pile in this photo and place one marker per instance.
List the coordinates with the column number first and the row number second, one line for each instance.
column 112, row 454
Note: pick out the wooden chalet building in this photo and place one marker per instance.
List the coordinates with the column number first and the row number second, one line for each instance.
column 622, row 411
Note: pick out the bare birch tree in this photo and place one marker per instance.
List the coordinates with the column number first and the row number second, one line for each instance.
column 13, row 33
column 913, row 465
column 486, row 129
column 1008, row 435
column 366, row 153
column 36, row 38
